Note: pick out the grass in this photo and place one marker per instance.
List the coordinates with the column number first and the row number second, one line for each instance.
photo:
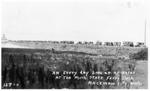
column 93, row 49
column 81, row 59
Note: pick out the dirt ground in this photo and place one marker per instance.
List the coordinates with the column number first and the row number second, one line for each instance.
column 141, row 74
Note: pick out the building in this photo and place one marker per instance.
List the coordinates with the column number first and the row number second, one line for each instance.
column 4, row 39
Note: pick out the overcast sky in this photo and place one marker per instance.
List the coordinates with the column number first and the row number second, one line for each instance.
column 105, row 20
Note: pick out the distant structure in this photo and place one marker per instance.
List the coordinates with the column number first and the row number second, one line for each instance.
column 4, row 39
column 87, row 43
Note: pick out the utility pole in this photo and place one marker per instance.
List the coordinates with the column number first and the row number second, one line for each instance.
column 145, row 33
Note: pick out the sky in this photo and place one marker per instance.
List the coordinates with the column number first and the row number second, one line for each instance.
column 77, row 20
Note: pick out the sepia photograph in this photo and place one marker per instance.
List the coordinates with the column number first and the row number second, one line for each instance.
column 74, row 44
